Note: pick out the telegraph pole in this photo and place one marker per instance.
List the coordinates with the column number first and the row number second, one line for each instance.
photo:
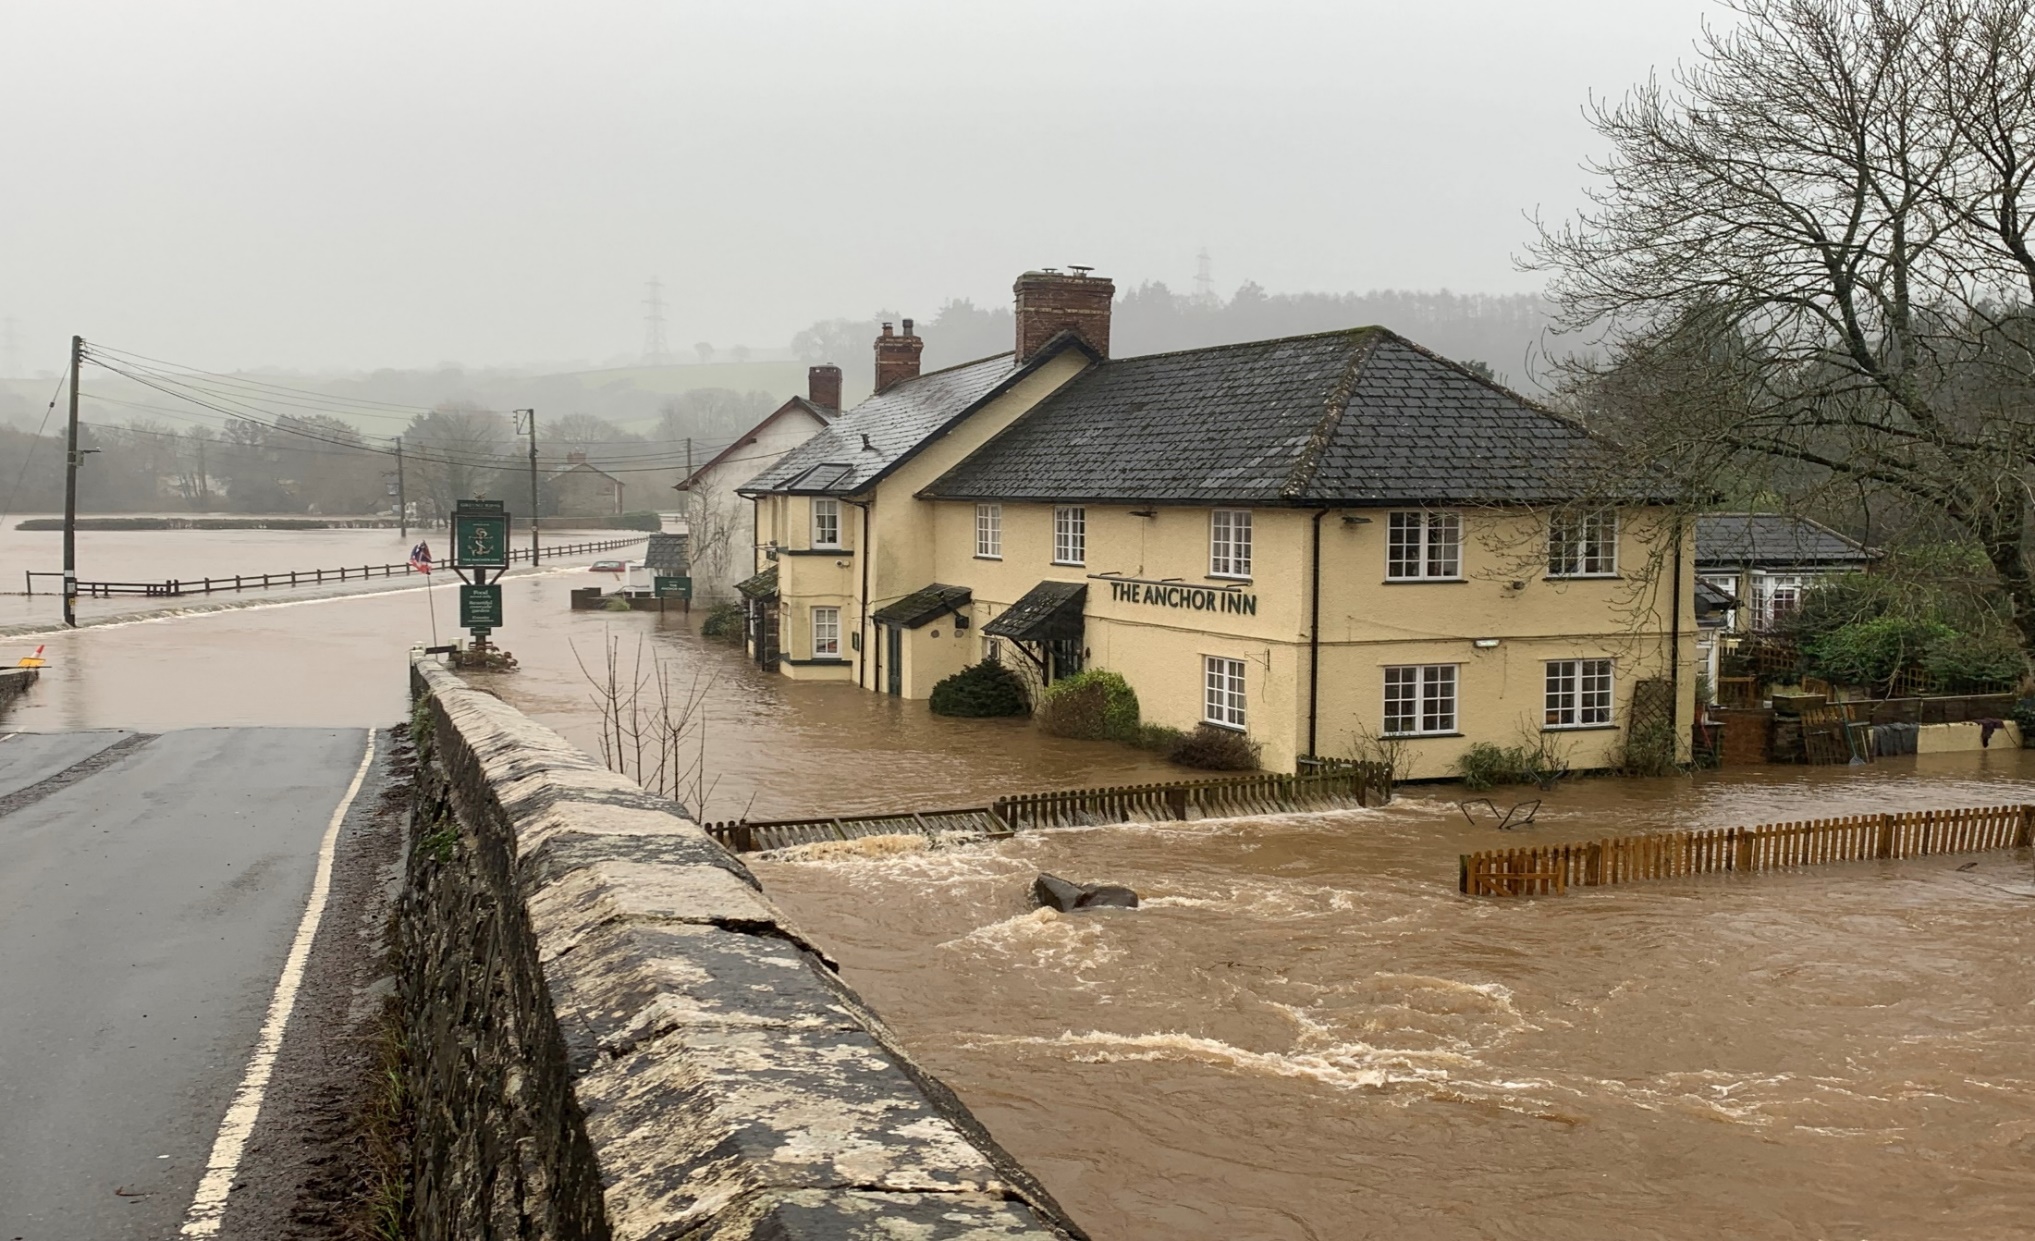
column 402, row 500
column 531, row 414
column 71, row 492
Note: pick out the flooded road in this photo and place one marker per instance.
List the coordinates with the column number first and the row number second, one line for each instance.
column 1305, row 1033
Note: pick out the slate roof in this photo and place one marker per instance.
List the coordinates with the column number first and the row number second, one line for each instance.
column 1358, row 418
column 868, row 441
column 923, row 606
column 666, row 554
column 762, row 586
column 1049, row 610
column 1773, row 541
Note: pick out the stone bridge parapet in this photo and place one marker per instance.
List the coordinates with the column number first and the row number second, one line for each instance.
column 613, row 1032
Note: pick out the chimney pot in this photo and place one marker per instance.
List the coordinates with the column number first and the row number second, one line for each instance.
column 1050, row 302
column 897, row 357
column 823, row 386
column 575, row 458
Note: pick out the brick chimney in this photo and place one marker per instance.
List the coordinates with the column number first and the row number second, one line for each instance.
column 1049, row 303
column 897, row 357
column 575, row 458
column 823, row 386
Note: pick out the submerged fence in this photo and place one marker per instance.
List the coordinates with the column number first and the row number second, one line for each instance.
column 179, row 587
column 1546, row 869
column 1340, row 784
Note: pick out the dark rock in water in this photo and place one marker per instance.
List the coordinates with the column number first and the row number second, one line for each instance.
column 1068, row 896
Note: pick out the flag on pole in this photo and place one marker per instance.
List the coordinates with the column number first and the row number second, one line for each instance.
column 420, row 557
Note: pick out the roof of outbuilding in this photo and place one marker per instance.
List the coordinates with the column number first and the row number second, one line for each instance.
column 1357, row 417
column 866, row 442
column 1773, row 540
column 666, row 552
column 922, row 606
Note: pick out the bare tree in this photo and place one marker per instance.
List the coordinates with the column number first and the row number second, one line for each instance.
column 1810, row 267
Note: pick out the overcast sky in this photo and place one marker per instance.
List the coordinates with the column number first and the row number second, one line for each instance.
column 366, row 184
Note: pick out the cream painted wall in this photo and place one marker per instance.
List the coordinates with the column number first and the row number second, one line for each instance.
column 722, row 524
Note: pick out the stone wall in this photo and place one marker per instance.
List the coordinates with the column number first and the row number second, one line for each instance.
column 14, row 682
column 612, row 1032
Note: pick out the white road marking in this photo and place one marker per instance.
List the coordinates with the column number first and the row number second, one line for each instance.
column 209, row 1204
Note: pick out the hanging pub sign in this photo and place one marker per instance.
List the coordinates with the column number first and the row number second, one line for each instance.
column 480, row 535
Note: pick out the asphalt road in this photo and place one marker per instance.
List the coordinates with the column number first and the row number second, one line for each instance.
column 149, row 891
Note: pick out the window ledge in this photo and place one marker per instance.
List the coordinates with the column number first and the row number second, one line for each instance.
column 1068, row 564
column 815, row 551
column 1229, row 577
column 1426, row 581
column 1578, row 728
column 1584, row 577
column 1228, row 728
column 980, row 556
column 1416, row 736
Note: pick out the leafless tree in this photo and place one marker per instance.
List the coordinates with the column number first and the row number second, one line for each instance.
column 1809, row 264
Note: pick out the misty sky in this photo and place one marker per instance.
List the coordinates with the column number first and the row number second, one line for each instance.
column 374, row 184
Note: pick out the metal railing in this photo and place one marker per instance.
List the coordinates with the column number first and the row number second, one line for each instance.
column 178, row 587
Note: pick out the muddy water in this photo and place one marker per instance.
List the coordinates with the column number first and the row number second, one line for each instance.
column 1305, row 1033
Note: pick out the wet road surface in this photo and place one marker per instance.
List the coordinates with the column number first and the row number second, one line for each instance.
column 147, row 902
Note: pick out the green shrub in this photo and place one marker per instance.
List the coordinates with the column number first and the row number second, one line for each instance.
column 1158, row 737
column 1872, row 652
column 1964, row 661
column 1485, row 765
column 617, row 603
column 637, row 521
column 1649, row 750
column 1216, row 749
column 1092, row 705
column 980, row 691
column 2024, row 715
column 724, row 623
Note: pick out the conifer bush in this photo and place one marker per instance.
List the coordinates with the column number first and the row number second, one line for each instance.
column 980, row 691
column 1216, row 749
column 1091, row 705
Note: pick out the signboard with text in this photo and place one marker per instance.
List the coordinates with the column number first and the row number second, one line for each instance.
column 674, row 587
column 480, row 608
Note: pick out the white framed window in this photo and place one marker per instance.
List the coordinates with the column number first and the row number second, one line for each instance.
column 1582, row 545
column 1420, row 698
column 826, row 523
column 826, row 633
column 1775, row 599
column 1222, row 691
column 1578, row 693
column 1070, row 535
column 989, row 531
column 1229, row 542
column 1424, row 545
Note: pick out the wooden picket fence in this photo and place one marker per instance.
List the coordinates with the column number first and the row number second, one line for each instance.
column 1541, row 870
column 1329, row 785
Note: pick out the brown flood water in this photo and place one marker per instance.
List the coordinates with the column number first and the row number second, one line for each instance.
column 1306, row 1033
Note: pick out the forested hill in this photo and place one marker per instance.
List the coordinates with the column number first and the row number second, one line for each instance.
column 1496, row 329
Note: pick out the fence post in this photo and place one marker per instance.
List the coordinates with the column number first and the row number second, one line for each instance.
column 2025, row 832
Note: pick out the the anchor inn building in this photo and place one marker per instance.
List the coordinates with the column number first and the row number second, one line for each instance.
column 1314, row 540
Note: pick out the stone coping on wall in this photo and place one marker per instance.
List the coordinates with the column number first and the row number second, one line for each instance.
column 731, row 1084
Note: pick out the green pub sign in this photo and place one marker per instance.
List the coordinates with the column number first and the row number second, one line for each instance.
column 480, row 538
column 674, row 588
column 480, row 608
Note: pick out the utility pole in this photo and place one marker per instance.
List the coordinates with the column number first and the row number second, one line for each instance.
column 71, row 492
column 402, row 499
column 531, row 414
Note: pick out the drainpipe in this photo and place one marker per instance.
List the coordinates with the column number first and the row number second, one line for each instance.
column 1675, row 646
column 1314, row 638
column 862, row 553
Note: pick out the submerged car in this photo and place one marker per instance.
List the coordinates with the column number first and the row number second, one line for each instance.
column 609, row 566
